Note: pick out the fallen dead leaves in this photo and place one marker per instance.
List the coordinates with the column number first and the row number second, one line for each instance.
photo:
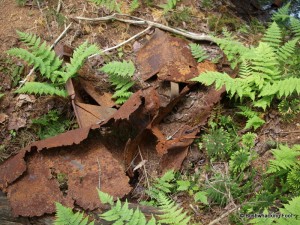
column 102, row 150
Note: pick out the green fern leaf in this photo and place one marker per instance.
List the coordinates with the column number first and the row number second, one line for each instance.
column 30, row 59
column 284, row 87
column 79, row 56
column 134, row 5
column 198, row 52
column 293, row 178
column 120, row 74
column 285, row 159
column 41, row 89
column 232, row 48
column 254, row 122
column 172, row 214
column 287, row 50
column 264, row 63
column 171, row 4
column 292, row 208
column 124, row 69
column 295, row 25
column 282, row 14
column 43, row 52
column 1, row 95
column 273, row 36
column 112, row 5
column 65, row 216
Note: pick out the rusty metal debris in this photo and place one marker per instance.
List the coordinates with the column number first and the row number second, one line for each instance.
column 167, row 56
column 77, row 155
column 162, row 119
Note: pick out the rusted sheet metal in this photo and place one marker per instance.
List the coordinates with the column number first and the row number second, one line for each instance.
column 92, row 114
column 104, row 99
column 11, row 169
column 78, row 155
column 35, row 193
column 87, row 115
column 168, row 57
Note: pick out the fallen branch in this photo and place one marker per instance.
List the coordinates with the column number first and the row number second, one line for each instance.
column 122, row 43
column 139, row 21
column 223, row 216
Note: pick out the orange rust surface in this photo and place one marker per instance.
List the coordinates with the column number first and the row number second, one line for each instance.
column 83, row 159
column 167, row 56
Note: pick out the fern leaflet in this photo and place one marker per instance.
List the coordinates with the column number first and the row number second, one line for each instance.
column 120, row 74
column 171, row 4
column 41, row 89
column 121, row 214
column 172, row 213
column 295, row 25
column 79, row 56
column 273, row 36
column 198, row 52
column 65, row 216
column 285, row 159
column 282, row 14
column 112, row 5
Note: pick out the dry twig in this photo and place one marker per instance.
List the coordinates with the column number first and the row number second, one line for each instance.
column 139, row 21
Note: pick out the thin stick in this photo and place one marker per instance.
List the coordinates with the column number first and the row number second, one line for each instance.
column 59, row 6
column 139, row 21
column 47, row 25
column 99, row 170
column 145, row 171
column 223, row 215
column 61, row 36
column 122, row 43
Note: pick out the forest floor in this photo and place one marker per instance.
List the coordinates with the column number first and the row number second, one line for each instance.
column 161, row 127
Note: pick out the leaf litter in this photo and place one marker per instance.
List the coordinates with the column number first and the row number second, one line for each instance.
column 161, row 121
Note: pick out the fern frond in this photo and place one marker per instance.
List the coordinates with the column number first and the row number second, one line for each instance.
column 284, row 87
column 79, row 56
column 292, row 208
column 171, row 4
column 247, row 112
column 112, row 5
column 293, row 179
column 124, row 69
column 264, row 63
column 287, row 50
column 295, row 25
column 285, row 159
column 31, row 40
column 121, row 214
column 120, row 74
column 41, row 89
column 232, row 49
column 65, row 216
column 254, row 122
column 198, row 52
column 172, row 213
column 41, row 51
column 31, row 59
column 239, row 160
column 161, row 185
column 273, row 36
column 233, row 86
column 282, row 14
column 134, row 5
